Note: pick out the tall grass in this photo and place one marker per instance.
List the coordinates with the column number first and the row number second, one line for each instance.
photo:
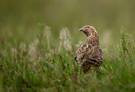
column 32, row 68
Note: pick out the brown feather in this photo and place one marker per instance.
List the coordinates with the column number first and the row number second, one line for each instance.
column 89, row 54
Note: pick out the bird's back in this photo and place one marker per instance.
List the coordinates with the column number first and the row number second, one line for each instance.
column 89, row 54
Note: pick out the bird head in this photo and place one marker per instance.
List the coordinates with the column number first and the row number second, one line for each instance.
column 89, row 30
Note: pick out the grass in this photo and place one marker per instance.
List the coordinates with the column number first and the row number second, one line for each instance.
column 42, row 67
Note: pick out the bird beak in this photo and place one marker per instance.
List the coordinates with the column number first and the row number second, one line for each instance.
column 80, row 29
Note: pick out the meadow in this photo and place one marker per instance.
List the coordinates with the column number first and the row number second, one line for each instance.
column 42, row 62
column 38, row 39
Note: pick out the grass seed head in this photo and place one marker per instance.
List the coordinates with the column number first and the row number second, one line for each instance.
column 65, row 38
column 14, row 53
column 47, row 34
column 32, row 51
column 22, row 48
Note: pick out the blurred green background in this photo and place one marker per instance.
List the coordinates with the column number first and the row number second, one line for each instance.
column 24, row 17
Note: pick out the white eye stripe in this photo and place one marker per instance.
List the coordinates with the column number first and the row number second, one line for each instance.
column 93, row 28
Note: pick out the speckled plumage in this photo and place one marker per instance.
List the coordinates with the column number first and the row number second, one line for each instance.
column 89, row 54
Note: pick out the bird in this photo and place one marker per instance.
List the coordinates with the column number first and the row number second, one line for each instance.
column 89, row 54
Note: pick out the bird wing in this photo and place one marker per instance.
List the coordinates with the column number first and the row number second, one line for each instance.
column 81, row 52
column 94, row 56
column 89, row 54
